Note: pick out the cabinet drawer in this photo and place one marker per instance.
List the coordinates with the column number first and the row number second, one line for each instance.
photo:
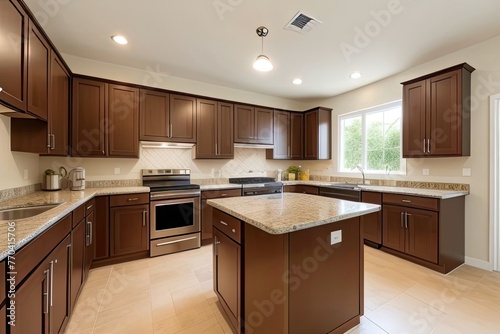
column 412, row 201
column 78, row 214
column 128, row 199
column 89, row 206
column 207, row 194
column 227, row 224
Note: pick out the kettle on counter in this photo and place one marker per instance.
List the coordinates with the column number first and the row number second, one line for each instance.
column 77, row 178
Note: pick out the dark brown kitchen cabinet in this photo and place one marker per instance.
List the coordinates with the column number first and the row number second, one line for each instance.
column 215, row 133
column 129, row 229
column 105, row 119
column 436, row 113
column 77, row 261
column 38, row 73
column 227, row 276
column 182, row 118
column 42, row 303
column 13, row 67
column 101, row 245
column 123, row 121
column 302, row 188
column 154, row 115
column 288, row 136
column 427, row 231
column 207, row 210
column 372, row 222
column 253, row 125
column 318, row 134
column 88, row 118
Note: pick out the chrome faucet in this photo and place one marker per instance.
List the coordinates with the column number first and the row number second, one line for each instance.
column 362, row 172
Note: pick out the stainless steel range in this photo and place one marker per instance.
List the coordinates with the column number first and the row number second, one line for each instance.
column 175, row 210
column 251, row 186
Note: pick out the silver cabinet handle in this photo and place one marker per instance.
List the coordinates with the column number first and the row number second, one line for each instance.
column 171, row 130
column 405, row 201
column 402, row 219
column 51, row 281
column 223, row 195
column 216, row 149
column 223, row 222
column 406, row 219
column 144, row 217
column 46, row 293
column 216, row 243
column 174, row 242
column 49, row 144
column 52, row 141
column 428, row 146
column 133, row 199
column 425, row 151
column 90, row 207
column 89, row 237
column 233, row 230
column 288, row 150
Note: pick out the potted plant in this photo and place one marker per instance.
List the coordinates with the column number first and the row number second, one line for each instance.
column 293, row 172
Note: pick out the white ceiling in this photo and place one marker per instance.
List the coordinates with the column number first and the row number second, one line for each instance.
column 191, row 39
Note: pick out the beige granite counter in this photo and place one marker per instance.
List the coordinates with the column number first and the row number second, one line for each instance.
column 219, row 186
column 288, row 212
column 434, row 193
column 28, row 228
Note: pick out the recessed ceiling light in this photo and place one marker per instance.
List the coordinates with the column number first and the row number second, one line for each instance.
column 297, row 81
column 356, row 75
column 119, row 39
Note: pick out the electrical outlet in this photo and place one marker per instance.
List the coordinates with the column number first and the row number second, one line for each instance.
column 335, row 237
column 425, row 171
column 117, row 171
column 25, row 174
column 466, row 172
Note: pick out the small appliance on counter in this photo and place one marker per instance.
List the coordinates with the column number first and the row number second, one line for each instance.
column 52, row 180
column 77, row 179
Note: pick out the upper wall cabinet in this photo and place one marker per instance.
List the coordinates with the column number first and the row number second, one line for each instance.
column 105, row 119
column 436, row 113
column 318, row 134
column 38, row 73
column 215, row 130
column 14, row 25
column 167, row 117
column 288, row 136
column 253, row 125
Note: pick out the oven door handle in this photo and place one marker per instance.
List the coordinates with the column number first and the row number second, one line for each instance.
column 176, row 194
column 174, row 242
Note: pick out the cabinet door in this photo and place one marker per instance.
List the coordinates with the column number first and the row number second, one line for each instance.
column 77, row 260
column 88, row 118
column 60, row 307
column 206, row 220
column 296, row 136
column 445, row 115
column 372, row 222
column 13, row 67
column 129, row 229
column 155, row 116
column 393, row 227
column 311, row 135
column 206, row 116
column 225, row 130
column 227, row 274
column 264, row 126
column 422, row 234
column 281, row 135
column 123, row 121
column 38, row 73
column 414, row 118
column 32, row 303
column 59, row 108
column 183, row 118
column 244, row 124
column 318, row 134
column 101, row 244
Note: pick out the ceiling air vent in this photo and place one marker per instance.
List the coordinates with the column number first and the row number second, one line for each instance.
column 302, row 23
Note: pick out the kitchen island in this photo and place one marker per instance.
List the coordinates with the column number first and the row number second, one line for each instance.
column 289, row 263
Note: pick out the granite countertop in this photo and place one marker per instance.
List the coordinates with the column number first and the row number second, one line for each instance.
column 219, row 186
column 28, row 228
column 434, row 193
column 288, row 212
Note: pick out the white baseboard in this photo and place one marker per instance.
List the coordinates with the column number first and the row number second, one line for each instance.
column 485, row 265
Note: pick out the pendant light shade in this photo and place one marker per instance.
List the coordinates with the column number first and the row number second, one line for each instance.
column 262, row 63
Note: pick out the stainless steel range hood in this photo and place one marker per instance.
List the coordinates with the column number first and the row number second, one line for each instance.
column 154, row 144
column 262, row 146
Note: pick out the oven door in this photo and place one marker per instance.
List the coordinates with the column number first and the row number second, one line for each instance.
column 175, row 217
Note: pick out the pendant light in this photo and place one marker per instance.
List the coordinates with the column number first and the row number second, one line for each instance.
column 262, row 63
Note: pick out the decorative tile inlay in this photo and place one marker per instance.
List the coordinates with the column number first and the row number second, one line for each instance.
column 7, row 194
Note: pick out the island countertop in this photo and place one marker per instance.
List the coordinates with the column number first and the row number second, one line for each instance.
column 289, row 212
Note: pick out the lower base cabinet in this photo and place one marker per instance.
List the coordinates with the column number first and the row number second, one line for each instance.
column 77, row 261
column 372, row 223
column 207, row 210
column 129, row 229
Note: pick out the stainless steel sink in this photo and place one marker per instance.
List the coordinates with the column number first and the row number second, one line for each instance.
column 25, row 212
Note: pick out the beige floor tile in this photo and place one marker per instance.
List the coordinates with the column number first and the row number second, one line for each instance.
column 210, row 326
column 366, row 327
column 204, row 273
column 110, row 312
column 487, row 293
column 184, row 320
column 223, row 323
column 405, row 314
column 469, row 273
column 162, row 306
column 133, row 323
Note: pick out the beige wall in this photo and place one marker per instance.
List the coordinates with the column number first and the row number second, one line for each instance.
column 13, row 164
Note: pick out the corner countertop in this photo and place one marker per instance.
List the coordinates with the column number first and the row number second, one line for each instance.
column 27, row 229
column 433, row 193
column 289, row 212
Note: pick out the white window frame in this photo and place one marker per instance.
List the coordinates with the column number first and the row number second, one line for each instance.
column 363, row 113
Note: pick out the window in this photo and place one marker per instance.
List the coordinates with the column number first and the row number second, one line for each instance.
column 371, row 138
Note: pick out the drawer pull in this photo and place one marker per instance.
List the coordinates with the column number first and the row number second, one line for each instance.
column 175, row 241
column 233, row 230
column 223, row 223
column 405, row 201
column 223, row 195
column 133, row 199
column 90, row 207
